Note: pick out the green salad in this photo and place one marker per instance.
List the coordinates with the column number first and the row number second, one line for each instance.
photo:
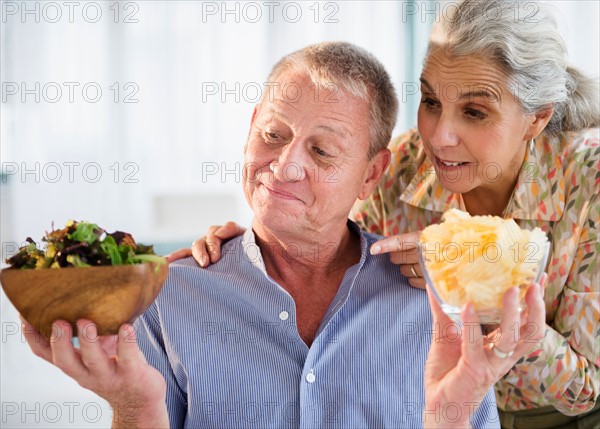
column 83, row 244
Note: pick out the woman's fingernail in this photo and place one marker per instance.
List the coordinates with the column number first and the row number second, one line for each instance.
column 375, row 250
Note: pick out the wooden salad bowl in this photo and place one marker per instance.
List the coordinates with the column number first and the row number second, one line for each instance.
column 108, row 295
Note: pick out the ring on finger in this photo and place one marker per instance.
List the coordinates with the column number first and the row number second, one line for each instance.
column 500, row 353
column 412, row 270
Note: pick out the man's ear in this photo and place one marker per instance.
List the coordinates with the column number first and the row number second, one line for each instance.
column 542, row 117
column 251, row 124
column 377, row 166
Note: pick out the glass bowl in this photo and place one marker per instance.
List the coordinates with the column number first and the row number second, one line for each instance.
column 487, row 315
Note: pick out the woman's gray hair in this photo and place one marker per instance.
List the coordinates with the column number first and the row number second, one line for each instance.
column 523, row 40
column 336, row 65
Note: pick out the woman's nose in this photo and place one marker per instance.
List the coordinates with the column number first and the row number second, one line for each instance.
column 444, row 133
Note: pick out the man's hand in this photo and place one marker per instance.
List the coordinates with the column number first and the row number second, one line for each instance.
column 112, row 367
column 463, row 364
column 403, row 250
column 207, row 249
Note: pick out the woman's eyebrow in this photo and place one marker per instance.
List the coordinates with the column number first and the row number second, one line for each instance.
column 485, row 91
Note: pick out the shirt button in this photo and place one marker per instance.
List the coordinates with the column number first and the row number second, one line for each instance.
column 284, row 315
column 310, row 377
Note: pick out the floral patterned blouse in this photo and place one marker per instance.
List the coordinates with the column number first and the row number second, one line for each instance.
column 557, row 190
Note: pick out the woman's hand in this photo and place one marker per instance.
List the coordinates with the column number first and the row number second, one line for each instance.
column 403, row 250
column 463, row 365
column 113, row 367
column 207, row 249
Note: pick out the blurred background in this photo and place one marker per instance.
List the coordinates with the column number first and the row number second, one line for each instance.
column 133, row 114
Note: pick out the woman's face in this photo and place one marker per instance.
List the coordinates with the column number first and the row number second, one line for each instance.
column 473, row 130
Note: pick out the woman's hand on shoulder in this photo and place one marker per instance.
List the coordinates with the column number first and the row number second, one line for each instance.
column 404, row 252
column 206, row 250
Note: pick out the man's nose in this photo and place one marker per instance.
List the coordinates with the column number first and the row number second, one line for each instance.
column 292, row 162
column 444, row 133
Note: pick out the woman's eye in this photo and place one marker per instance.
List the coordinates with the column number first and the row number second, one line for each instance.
column 475, row 114
column 319, row 151
column 430, row 103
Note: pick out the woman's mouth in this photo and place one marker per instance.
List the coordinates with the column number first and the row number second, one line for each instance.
column 448, row 164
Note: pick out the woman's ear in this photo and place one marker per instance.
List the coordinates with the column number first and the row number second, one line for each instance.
column 377, row 166
column 541, row 119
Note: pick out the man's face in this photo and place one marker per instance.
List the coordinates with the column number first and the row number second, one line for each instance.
column 306, row 156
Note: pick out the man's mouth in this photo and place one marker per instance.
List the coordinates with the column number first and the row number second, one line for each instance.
column 280, row 193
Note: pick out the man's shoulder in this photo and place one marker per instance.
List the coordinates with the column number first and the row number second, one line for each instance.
column 380, row 270
column 233, row 257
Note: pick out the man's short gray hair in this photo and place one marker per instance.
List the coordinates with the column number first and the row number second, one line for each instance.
column 522, row 39
column 342, row 65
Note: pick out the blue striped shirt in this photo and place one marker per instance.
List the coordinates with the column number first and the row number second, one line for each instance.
column 226, row 341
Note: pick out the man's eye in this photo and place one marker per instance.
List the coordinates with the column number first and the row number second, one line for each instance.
column 272, row 137
column 319, row 151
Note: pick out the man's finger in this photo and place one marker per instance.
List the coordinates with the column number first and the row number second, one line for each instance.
column 397, row 243
column 39, row 345
column 472, row 337
column 64, row 355
column 439, row 317
column 507, row 339
column 92, row 353
column 536, row 314
column 127, row 349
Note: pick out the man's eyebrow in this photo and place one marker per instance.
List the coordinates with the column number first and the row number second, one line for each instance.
column 273, row 111
column 342, row 132
column 484, row 93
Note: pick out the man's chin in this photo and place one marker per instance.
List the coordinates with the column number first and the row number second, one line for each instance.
column 278, row 221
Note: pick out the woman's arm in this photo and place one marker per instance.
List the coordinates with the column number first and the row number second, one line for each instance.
column 564, row 371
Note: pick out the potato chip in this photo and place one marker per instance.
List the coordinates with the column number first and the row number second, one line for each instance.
column 478, row 258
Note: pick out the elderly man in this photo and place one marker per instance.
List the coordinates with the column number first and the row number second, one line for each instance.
column 298, row 326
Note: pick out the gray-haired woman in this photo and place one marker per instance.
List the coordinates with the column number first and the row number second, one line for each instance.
column 506, row 127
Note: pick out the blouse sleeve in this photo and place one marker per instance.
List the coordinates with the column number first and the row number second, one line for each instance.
column 575, row 334
column 564, row 371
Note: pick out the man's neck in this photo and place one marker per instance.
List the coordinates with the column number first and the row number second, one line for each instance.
column 309, row 269
column 314, row 253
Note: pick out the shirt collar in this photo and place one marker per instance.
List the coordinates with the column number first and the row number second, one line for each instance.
column 253, row 254
column 538, row 194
